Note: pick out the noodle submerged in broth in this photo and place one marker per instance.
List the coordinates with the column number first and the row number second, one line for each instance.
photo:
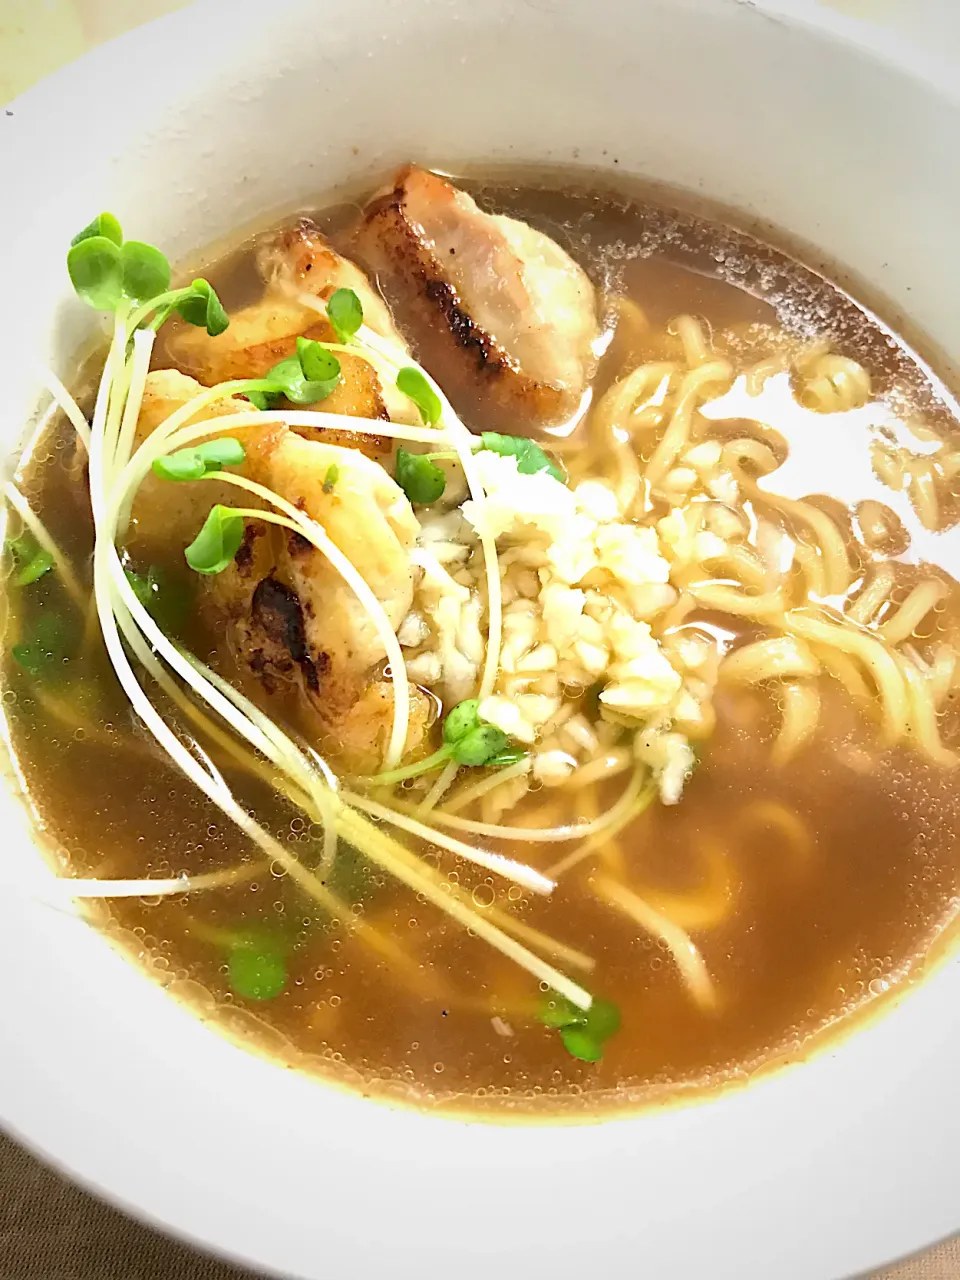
column 531, row 687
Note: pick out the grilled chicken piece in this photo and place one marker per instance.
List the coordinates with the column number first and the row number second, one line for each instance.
column 294, row 627
column 296, row 262
column 369, row 518
column 164, row 513
column 502, row 316
column 294, row 624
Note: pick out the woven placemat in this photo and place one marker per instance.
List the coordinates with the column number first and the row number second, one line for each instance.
column 53, row 1230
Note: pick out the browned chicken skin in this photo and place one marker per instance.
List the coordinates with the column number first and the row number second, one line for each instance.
column 296, row 262
column 501, row 315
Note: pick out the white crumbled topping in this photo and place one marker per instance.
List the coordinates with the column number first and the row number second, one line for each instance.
column 552, row 768
column 506, row 715
column 425, row 668
column 707, row 546
column 435, row 576
column 631, row 554
column 581, row 583
column 562, row 609
column 413, row 630
column 597, row 501
column 724, row 488
column 572, row 557
column 537, row 708
column 513, row 500
column 679, row 481
column 543, row 658
column 671, row 758
column 705, row 456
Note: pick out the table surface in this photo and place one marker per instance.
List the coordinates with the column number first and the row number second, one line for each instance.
column 49, row 1228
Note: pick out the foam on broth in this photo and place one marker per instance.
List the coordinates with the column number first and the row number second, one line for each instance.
column 812, row 890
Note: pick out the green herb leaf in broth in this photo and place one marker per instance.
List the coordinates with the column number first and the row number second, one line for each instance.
column 31, row 561
column 530, row 457
column 413, row 383
column 215, row 546
column 257, row 969
column 420, row 479
column 345, row 313
column 46, row 646
column 584, row 1033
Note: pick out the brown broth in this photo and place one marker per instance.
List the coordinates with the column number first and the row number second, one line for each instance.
column 838, row 871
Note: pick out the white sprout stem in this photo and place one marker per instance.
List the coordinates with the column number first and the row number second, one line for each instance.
column 78, row 594
column 84, row 888
column 415, row 878
column 467, row 795
column 547, row 835
column 319, row 538
column 143, row 341
column 439, row 788
column 164, row 440
column 510, row 869
column 69, row 406
column 100, row 456
column 119, row 610
column 593, row 844
column 124, row 594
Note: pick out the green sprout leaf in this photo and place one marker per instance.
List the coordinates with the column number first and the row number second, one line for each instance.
column 146, row 271
column 413, row 383
column 420, row 479
column 583, row 1032
column 503, row 759
column 481, row 745
column 256, row 970
column 467, row 739
column 185, row 464
column 201, row 307
column 104, row 224
column 331, row 478
column 215, row 546
column 318, row 364
column 470, row 740
column 345, row 313
column 95, row 266
column 461, row 720
column 530, row 457
column 305, row 378
column 30, row 560
column 264, row 399
column 224, row 451
column 194, row 463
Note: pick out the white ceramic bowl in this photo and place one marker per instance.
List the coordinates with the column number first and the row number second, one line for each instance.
column 228, row 113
